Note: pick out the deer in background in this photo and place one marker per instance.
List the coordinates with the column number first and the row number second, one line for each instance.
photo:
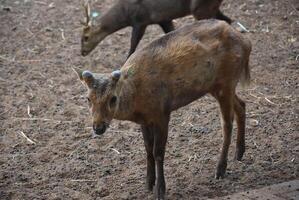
column 141, row 13
column 208, row 56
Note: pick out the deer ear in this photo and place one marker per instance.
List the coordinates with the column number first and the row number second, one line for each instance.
column 116, row 75
column 93, row 15
column 88, row 78
column 85, row 76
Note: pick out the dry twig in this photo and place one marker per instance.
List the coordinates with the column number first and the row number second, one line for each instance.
column 28, row 111
column 82, row 180
column 115, row 150
column 7, row 59
column 40, row 2
column 294, row 8
column 243, row 27
column 42, row 119
column 5, row 111
column 270, row 101
column 62, row 33
column 27, row 138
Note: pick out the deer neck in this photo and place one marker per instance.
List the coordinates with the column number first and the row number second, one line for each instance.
column 113, row 20
column 125, row 92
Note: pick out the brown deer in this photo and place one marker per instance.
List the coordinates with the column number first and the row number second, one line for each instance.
column 208, row 56
column 141, row 13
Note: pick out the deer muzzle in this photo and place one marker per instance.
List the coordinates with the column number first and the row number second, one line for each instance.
column 100, row 128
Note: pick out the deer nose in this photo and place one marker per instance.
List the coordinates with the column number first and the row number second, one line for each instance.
column 99, row 129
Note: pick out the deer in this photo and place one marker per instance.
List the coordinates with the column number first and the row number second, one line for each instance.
column 205, row 57
column 139, row 14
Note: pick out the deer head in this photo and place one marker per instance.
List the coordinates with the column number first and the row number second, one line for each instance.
column 102, row 98
column 87, row 40
column 92, row 34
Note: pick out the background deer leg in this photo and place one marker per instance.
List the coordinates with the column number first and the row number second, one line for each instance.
column 137, row 34
column 167, row 26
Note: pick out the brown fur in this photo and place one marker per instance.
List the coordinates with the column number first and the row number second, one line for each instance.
column 141, row 13
column 207, row 56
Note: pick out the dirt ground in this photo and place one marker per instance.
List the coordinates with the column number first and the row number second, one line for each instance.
column 42, row 98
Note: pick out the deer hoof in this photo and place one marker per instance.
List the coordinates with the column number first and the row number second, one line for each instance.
column 221, row 169
column 239, row 153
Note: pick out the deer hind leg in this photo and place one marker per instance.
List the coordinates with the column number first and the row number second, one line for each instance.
column 167, row 26
column 239, row 109
column 148, row 138
column 225, row 100
column 137, row 34
column 221, row 16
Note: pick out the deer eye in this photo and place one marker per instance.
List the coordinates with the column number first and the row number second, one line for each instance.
column 88, row 100
column 112, row 102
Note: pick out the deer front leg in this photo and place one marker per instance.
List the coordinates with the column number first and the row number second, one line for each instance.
column 137, row 34
column 148, row 138
column 160, row 138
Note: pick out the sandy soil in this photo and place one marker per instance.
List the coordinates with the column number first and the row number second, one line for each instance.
column 42, row 98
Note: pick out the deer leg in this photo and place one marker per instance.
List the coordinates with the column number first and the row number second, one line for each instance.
column 160, row 138
column 203, row 9
column 137, row 34
column 225, row 100
column 148, row 138
column 221, row 16
column 239, row 109
column 167, row 26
